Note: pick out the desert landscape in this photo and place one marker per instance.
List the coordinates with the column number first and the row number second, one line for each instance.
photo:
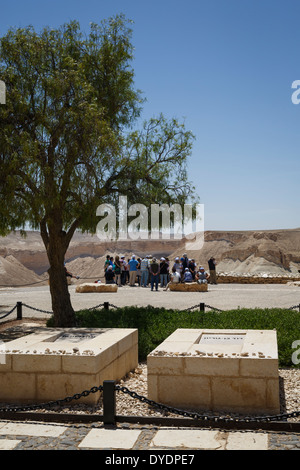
column 243, row 256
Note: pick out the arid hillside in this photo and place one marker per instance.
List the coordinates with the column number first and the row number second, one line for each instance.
column 275, row 252
column 271, row 252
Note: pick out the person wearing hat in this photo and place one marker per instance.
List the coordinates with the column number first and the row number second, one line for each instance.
column 177, row 265
column 187, row 276
column 201, row 276
column 109, row 275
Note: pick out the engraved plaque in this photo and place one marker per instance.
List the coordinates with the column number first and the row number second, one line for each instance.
column 217, row 338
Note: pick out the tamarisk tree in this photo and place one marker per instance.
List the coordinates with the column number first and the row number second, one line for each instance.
column 66, row 141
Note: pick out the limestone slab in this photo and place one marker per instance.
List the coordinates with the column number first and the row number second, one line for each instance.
column 32, row 429
column 8, row 444
column 189, row 439
column 53, row 363
column 110, row 439
column 232, row 370
column 247, row 441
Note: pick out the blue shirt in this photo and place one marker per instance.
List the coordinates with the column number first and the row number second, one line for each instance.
column 133, row 264
column 188, row 276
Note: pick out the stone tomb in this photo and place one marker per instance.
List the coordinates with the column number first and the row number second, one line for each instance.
column 54, row 363
column 216, row 370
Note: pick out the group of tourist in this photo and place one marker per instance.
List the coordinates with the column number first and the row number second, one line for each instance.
column 151, row 271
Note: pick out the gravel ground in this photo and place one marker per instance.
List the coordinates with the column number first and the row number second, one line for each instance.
column 223, row 296
column 136, row 381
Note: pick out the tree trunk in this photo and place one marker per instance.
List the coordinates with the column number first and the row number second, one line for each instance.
column 64, row 315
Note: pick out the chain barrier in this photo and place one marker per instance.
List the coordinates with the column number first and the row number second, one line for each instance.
column 159, row 406
column 189, row 309
column 195, row 415
column 94, row 308
column 294, row 306
column 214, row 308
column 8, row 313
column 49, row 404
column 37, row 309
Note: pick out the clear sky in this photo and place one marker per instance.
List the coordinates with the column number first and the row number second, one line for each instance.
column 225, row 68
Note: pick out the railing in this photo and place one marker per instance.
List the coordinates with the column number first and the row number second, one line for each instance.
column 109, row 417
column 107, row 305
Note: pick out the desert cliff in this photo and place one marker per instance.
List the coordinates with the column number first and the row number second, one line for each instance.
column 270, row 253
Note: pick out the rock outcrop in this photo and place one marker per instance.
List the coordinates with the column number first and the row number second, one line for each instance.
column 242, row 256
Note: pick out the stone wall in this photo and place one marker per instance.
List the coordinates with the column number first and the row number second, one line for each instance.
column 225, row 278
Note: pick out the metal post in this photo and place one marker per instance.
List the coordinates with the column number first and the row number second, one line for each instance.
column 109, row 402
column 202, row 307
column 106, row 305
column 19, row 310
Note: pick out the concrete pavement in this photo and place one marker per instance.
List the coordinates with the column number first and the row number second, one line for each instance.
column 53, row 436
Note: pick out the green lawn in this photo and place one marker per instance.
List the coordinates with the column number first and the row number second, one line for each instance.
column 156, row 324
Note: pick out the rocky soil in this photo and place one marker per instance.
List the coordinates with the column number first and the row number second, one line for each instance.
column 136, row 381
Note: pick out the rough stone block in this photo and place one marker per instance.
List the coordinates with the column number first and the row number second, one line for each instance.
column 188, row 287
column 94, row 287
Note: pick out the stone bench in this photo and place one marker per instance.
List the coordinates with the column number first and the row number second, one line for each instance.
column 188, row 287
column 95, row 287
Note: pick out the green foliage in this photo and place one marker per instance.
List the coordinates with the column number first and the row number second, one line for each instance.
column 66, row 143
column 68, row 98
column 156, row 324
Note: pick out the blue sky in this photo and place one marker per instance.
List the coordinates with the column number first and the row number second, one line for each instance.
column 225, row 68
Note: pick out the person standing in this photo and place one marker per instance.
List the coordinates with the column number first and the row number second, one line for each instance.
column 133, row 264
column 212, row 270
column 144, row 272
column 164, row 271
column 117, row 270
column 185, row 262
column 154, row 272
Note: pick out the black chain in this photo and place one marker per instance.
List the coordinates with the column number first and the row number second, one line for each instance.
column 36, row 309
column 8, row 313
column 159, row 406
column 214, row 308
column 195, row 415
column 96, row 306
column 49, row 404
column 189, row 309
column 294, row 306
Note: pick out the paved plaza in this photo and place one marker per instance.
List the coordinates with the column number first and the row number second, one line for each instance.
column 221, row 296
column 54, row 436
